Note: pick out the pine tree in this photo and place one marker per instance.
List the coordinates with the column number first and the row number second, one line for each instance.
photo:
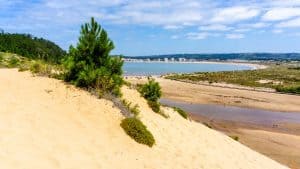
column 90, row 63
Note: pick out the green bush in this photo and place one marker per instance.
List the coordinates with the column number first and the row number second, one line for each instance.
column 35, row 67
column 41, row 68
column 1, row 57
column 155, row 106
column 13, row 61
column 151, row 91
column 138, row 131
column 90, row 64
column 181, row 112
column 294, row 89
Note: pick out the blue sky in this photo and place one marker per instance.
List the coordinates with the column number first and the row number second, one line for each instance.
column 147, row 27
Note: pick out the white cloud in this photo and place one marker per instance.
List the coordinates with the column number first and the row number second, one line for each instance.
column 289, row 24
column 277, row 14
column 259, row 25
column 215, row 27
column 234, row 14
column 277, row 31
column 175, row 37
column 197, row 36
column 242, row 30
column 200, row 35
column 172, row 27
column 283, row 3
column 234, row 36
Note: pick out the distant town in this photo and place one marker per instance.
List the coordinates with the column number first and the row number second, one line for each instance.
column 232, row 57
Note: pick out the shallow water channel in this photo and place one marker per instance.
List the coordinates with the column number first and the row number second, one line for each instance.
column 236, row 114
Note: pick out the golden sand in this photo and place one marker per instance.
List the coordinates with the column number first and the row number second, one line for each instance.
column 46, row 124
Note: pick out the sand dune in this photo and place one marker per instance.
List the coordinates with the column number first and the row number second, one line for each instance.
column 45, row 123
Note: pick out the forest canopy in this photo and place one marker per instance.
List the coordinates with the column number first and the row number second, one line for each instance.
column 31, row 47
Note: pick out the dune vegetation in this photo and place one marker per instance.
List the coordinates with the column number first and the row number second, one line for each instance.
column 282, row 78
column 89, row 65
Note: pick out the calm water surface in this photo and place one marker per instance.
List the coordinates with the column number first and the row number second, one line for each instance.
column 236, row 114
column 161, row 68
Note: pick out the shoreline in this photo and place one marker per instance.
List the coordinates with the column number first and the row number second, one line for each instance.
column 253, row 66
column 206, row 94
column 270, row 141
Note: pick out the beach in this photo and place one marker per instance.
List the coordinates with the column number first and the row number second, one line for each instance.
column 206, row 94
column 46, row 123
column 279, row 141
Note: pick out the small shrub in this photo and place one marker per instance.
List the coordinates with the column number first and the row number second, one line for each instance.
column 181, row 112
column 151, row 91
column 1, row 57
column 134, row 110
column 41, row 68
column 155, row 106
column 138, row 131
column 127, row 83
column 13, row 61
column 236, row 138
column 294, row 89
column 36, row 67
column 23, row 68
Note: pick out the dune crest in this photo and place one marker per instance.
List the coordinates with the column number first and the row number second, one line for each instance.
column 47, row 124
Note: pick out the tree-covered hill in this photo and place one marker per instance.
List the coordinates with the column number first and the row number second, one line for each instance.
column 32, row 47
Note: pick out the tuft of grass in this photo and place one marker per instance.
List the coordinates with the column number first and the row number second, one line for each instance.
column 40, row 68
column 13, row 62
column 138, row 131
column 133, row 109
column 181, row 112
column 36, row 67
column 236, row 138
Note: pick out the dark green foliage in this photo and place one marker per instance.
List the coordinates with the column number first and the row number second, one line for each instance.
column 31, row 47
column 292, row 89
column 181, row 112
column 151, row 91
column 138, row 131
column 90, row 65
column 295, row 68
column 1, row 57
column 155, row 106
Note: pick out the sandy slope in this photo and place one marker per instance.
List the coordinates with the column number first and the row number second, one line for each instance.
column 197, row 93
column 47, row 124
